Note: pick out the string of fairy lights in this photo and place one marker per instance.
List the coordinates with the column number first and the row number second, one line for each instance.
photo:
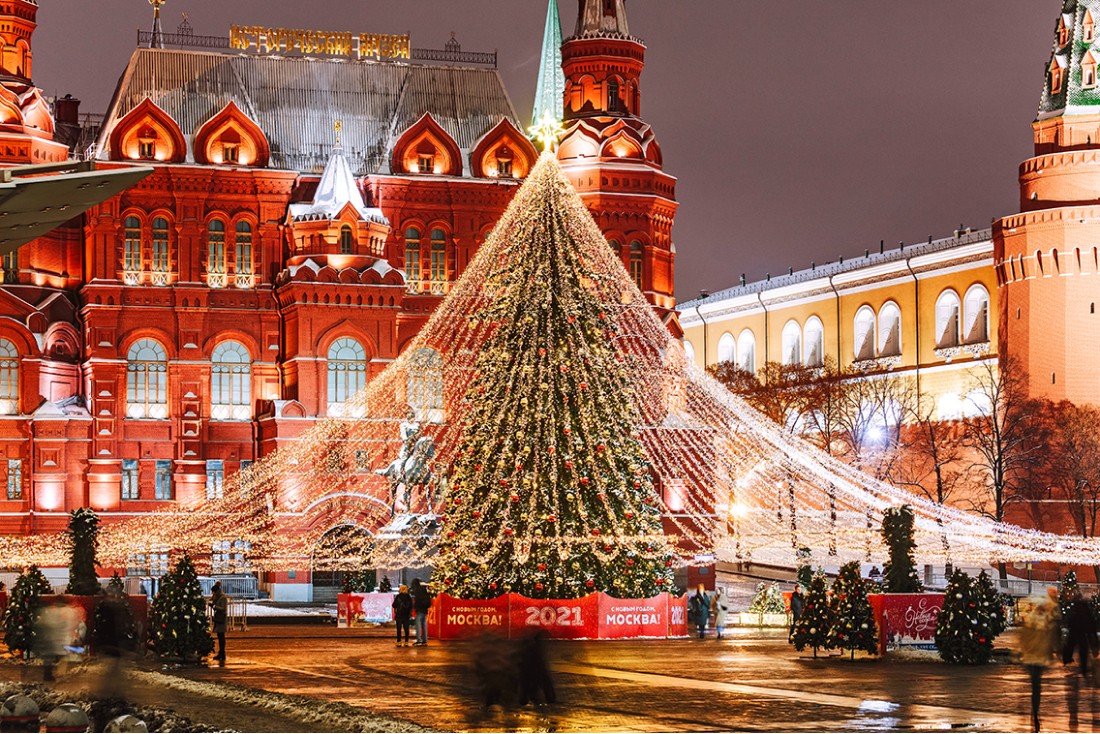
column 727, row 483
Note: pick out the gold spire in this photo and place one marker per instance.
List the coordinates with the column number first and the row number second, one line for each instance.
column 337, row 127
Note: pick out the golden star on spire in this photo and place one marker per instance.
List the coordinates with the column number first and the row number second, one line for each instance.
column 547, row 131
column 337, row 127
column 157, row 3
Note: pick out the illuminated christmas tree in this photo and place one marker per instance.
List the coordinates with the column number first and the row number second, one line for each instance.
column 854, row 620
column 552, row 494
column 22, row 607
column 816, row 621
column 964, row 628
column 178, row 624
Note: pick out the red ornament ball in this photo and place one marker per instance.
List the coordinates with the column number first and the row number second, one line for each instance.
column 630, row 561
column 637, row 484
column 450, row 533
column 504, row 482
column 550, row 518
column 668, row 564
column 583, row 386
column 492, row 587
column 550, row 449
column 590, row 583
column 476, row 514
column 538, row 587
column 458, row 500
column 542, row 566
column 600, row 447
column 584, row 481
column 515, row 498
column 447, row 582
column 508, row 531
column 595, row 531
column 465, row 568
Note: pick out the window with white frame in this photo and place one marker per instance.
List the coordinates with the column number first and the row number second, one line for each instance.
column 215, row 479
column 230, row 383
column 130, row 476
column 636, row 263
column 864, row 334
column 976, row 315
column 746, row 351
column 162, row 489
column 131, row 252
column 15, row 479
column 243, row 261
column 947, row 319
column 792, row 343
column 727, row 348
column 412, row 259
column 425, row 384
column 230, row 556
column 215, row 258
column 889, row 330
column 9, row 378
column 347, row 373
column 146, row 380
column 160, row 251
column 814, row 333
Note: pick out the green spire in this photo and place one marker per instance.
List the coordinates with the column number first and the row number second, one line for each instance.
column 550, row 93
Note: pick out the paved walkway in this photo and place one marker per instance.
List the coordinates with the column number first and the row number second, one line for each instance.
column 752, row 681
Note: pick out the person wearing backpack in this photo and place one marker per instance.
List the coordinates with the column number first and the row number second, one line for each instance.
column 422, row 602
column 402, row 613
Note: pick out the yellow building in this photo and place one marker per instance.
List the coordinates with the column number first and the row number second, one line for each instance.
column 921, row 311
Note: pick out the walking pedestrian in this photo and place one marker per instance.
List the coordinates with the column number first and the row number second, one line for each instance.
column 1040, row 640
column 720, row 609
column 796, row 607
column 219, row 605
column 402, row 612
column 699, row 608
column 1080, row 634
column 422, row 602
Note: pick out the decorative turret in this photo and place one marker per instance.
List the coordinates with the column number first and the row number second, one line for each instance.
column 26, row 121
column 611, row 155
column 1043, row 253
column 17, row 24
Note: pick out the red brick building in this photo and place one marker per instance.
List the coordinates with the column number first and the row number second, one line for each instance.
column 303, row 220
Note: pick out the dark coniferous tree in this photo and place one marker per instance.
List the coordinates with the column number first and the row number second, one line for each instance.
column 178, row 624
column 900, row 572
column 813, row 626
column 83, row 539
column 22, row 606
column 854, row 621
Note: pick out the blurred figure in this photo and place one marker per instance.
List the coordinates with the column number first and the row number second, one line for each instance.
column 796, row 607
column 699, row 610
column 219, row 604
column 402, row 613
column 54, row 626
column 422, row 602
column 110, row 641
column 493, row 665
column 1040, row 639
column 720, row 609
column 534, row 670
column 1080, row 634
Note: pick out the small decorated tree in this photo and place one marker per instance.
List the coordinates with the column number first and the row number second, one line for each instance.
column 113, row 621
column 1069, row 591
column 385, row 587
column 178, row 625
column 813, row 626
column 83, row 539
column 22, row 607
column 963, row 633
column 805, row 567
column 854, row 620
column 768, row 600
column 901, row 570
column 992, row 603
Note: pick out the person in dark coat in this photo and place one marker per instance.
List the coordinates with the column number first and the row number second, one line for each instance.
column 796, row 607
column 1081, row 636
column 402, row 613
column 699, row 609
column 534, row 670
column 422, row 602
column 219, row 605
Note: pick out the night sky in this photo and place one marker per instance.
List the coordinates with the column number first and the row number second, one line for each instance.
column 799, row 130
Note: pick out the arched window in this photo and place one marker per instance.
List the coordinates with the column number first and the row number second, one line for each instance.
column 889, row 330
column 815, row 342
column 976, row 315
column 727, row 348
column 617, row 248
column 146, row 380
column 243, row 253
column 746, row 351
column 412, row 259
column 439, row 260
column 504, row 158
column 947, row 319
column 792, row 343
column 347, row 373
column 160, row 251
column 9, row 378
column 864, row 333
column 131, row 255
column 230, row 383
column 636, row 263
column 347, row 241
column 425, row 385
column 689, row 351
column 215, row 259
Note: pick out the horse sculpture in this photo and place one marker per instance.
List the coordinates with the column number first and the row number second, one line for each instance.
column 413, row 466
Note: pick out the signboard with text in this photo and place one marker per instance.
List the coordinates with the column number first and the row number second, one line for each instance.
column 622, row 619
column 906, row 620
column 567, row 619
column 356, row 609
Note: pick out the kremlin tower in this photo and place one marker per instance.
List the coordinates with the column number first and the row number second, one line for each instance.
column 1044, row 254
column 610, row 153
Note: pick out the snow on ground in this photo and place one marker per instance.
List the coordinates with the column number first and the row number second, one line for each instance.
column 268, row 609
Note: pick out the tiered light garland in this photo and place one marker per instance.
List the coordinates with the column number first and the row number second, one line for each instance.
column 725, row 480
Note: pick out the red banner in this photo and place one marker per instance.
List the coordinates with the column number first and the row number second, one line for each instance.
column 906, row 620
column 622, row 619
column 452, row 618
column 561, row 619
column 596, row 616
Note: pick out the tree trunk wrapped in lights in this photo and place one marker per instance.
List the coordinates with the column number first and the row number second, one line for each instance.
column 552, row 494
